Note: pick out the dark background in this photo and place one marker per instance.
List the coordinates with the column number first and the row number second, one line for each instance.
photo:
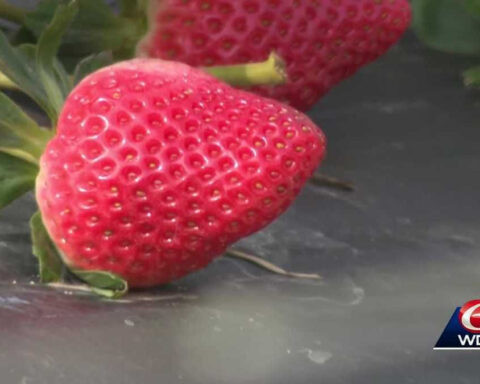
column 398, row 255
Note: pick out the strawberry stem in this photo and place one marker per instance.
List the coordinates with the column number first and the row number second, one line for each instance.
column 259, row 262
column 269, row 72
column 11, row 12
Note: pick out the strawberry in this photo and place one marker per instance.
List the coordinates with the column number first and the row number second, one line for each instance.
column 157, row 167
column 322, row 41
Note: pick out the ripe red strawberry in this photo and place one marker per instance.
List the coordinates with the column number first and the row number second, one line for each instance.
column 322, row 41
column 157, row 167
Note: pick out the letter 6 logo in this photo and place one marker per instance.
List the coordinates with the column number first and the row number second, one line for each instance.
column 469, row 316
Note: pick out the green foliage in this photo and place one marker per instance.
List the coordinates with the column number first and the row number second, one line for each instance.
column 20, row 135
column 55, row 80
column 20, row 67
column 52, row 269
column 37, row 72
column 35, row 69
column 448, row 25
column 96, row 28
column 16, row 178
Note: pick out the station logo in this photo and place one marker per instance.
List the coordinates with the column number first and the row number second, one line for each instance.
column 463, row 329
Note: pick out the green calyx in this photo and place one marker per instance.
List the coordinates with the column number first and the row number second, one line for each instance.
column 52, row 269
column 102, row 283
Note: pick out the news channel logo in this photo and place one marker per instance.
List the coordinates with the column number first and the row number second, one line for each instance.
column 463, row 329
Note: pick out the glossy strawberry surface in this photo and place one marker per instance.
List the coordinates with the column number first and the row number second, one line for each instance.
column 322, row 41
column 156, row 168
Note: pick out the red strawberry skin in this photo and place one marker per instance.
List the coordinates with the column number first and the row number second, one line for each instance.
column 157, row 167
column 322, row 41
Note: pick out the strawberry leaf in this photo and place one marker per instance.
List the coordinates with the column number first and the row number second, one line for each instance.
column 447, row 25
column 16, row 178
column 20, row 135
column 19, row 67
column 103, row 283
column 56, row 82
column 52, row 269
column 29, row 52
column 96, row 28
column 19, row 64
column 90, row 64
column 51, row 266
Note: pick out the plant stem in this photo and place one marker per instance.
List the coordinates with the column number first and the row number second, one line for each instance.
column 11, row 12
column 269, row 72
column 259, row 262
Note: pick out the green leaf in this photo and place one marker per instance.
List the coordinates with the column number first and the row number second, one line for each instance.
column 447, row 25
column 50, row 263
column 96, row 28
column 20, row 66
column 471, row 77
column 20, row 69
column 20, row 135
column 103, row 283
column 55, row 81
column 29, row 53
column 16, row 178
column 90, row 64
